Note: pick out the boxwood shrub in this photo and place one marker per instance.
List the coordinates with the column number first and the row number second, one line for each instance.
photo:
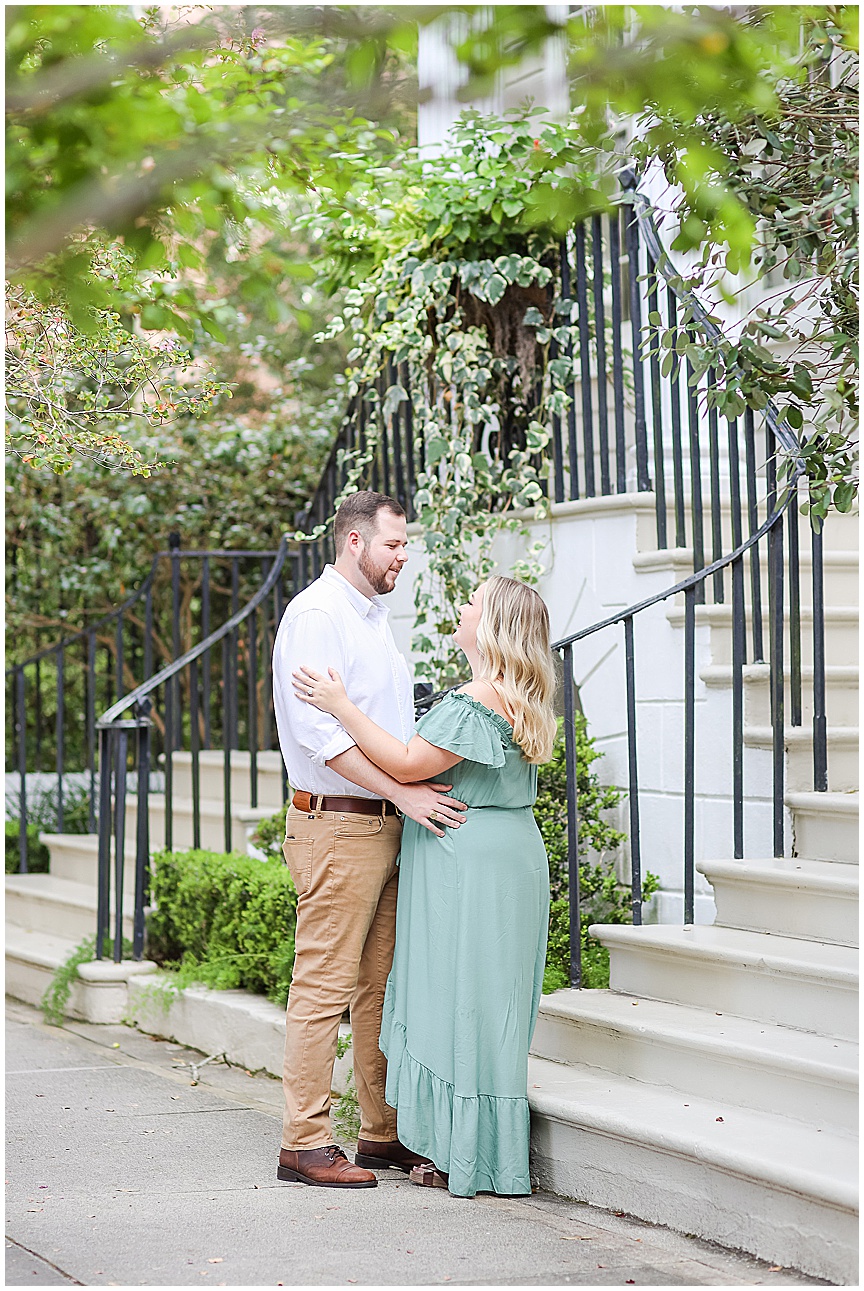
column 226, row 920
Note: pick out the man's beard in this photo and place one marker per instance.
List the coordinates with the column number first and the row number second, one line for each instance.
column 374, row 576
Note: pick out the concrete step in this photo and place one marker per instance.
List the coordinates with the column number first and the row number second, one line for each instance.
column 244, row 822
column 843, row 770
column 841, row 692
column 813, row 900
column 75, row 858
column 736, row 1060
column 211, row 766
column 841, row 632
column 766, row 1184
column 826, row 825
column 803, row 984
column 32, row 958
column 43, row 903
column 840, row 570
column 839, row 532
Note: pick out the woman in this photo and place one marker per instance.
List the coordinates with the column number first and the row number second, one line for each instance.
column 473, row 904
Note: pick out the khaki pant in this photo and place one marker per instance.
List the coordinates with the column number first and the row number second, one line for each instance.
column 344, row 868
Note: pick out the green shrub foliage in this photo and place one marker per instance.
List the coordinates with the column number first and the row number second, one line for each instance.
column 37, row 853
column 224, row 920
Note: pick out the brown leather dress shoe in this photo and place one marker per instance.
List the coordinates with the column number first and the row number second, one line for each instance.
column 383, row 1156
column 323, row 1168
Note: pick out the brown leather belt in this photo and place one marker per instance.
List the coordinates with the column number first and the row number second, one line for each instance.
column 362, row 806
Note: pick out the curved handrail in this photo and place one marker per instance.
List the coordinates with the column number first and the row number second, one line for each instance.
column 642, row 208
column 695, row 579
column 130, row 601
column 171, row 670
column 94, row 627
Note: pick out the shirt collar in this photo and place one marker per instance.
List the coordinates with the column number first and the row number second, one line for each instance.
column 362, row 604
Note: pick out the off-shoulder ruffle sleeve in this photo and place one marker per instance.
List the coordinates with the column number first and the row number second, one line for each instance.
column 462, row 725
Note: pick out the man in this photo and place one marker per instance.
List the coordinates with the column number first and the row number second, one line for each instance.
column 342, row 840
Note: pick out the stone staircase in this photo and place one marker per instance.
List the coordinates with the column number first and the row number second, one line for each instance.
column 713, row 1087
column 48, row 915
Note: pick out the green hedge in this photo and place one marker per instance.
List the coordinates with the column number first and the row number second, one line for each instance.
column 37, row 853
column 225, row 920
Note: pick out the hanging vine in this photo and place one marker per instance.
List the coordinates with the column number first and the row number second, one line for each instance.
column 466, row 296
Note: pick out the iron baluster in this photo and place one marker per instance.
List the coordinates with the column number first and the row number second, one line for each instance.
column 118, row 650
column 633, row 768
column 233, row 716
column 820, row 721
column 753, row 517
column 384, row 443
column 739, row 644
column 410, row 468
column 714, row 476
column 59, row 734
column 696, row 517
column 267, row 679
column 205, row 658
column 572, row 446
column 21, row 703
column 656, row 408
column 775, row 635
column 174, row 545
column 572, row 821
column 168, row 754
column 600, row 346
column 395, row 432
column 557, row 447
column 643, row 479
column 689, row 752
column 617, row 356
column 252, row 739
column 38, row 681
column 585, row 360
column 148, row 634
column 227, row 687
column 103, row 895
column 142, row 839
column 91, row 727
column 675, row 408
column 194, row 746
column 795, row 714
column 119, row 838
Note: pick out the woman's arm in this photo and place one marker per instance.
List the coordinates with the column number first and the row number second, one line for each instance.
column 418, row 760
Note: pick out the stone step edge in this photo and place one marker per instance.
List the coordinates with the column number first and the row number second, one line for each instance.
column 772, row 959
column 765, row 874
column 45, row 950
column 800, row 736
column 80, row 896
column 654, row 1128
column 809, row 800
column 207, row 806
column 753, row 674
column 687, row 1036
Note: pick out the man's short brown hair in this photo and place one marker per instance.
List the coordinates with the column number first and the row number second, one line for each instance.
column 359, row 512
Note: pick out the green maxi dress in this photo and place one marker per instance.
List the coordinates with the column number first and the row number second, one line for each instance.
column 462, row 996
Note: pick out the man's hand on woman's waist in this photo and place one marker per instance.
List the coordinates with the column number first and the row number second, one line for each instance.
column 429, row 805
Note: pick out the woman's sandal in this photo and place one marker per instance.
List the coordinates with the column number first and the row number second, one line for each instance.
column 428, row 1176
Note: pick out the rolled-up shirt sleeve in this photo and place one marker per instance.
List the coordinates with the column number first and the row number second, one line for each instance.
column 313, row 639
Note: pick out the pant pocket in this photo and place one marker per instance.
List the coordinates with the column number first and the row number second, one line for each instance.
column 366, row 827
column 298, row 858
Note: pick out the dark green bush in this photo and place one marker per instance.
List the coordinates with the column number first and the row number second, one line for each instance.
column 37, row 853
column 224, row 920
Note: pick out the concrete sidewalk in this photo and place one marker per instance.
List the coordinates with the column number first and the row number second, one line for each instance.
column 120, row 1172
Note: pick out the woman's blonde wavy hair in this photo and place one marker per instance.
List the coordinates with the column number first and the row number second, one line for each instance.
column 513, row 643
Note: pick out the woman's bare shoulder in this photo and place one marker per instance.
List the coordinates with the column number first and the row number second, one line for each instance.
column 485, row 693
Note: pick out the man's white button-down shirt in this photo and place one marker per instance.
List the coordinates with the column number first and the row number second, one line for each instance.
column 332, row 625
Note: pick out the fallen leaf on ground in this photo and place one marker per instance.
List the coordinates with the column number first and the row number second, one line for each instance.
column 776, row 1268
column 217, row 1259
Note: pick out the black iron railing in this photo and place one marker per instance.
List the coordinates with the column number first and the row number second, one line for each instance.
column 184, row 595
column 242, row 692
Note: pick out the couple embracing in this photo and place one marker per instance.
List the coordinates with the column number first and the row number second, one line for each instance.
column 441, row 1024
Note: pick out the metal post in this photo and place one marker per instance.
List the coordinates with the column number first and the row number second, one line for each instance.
column 585, row 360
column 572, row 446
column 600, row 344
column 119, row 838
column 820, row 721
column 103, row 896
column 195, row 744
column 617, row 356
column 205, row 632
column 252, row 734
column 689, row 751
column 91, row 726
column 572, row 820
column 635, row 838
column 60, row 732
column 142, row 840
column 22, row 769
column 643, row 479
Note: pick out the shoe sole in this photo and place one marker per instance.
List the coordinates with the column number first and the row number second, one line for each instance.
column 294, row 1176
column 379, row 1163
